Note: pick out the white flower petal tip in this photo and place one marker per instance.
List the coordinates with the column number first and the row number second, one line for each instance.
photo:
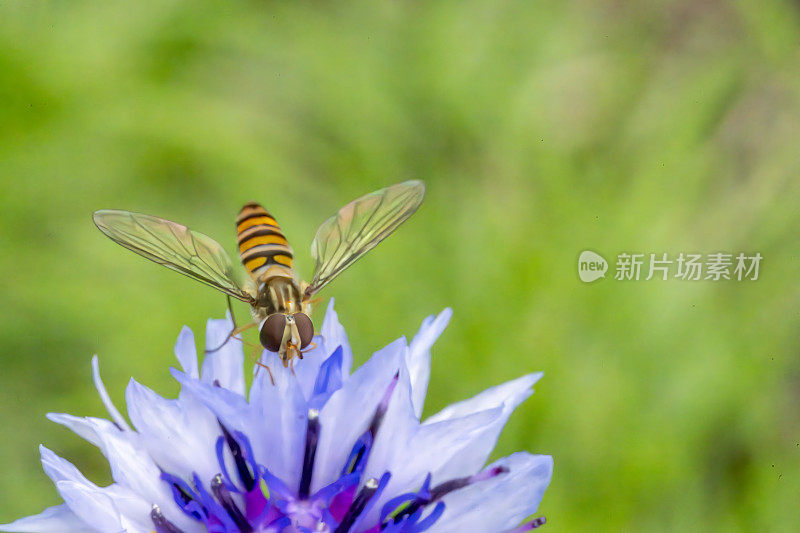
column 309, row 449
column 333, row 335
column 186, row 352
column 116, row 416
column 58, row 519
column 87, row 428
column 418, row 359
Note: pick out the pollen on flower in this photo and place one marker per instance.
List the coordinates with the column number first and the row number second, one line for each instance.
column 317, row 450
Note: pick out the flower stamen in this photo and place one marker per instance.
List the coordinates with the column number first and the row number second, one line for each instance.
column 361, row 502
column 242, row 467
column 441, row 490
column 533, row 524
column 162, row 524
column 223, row 496
column 425, row 497
column 310, row 453
column 361, row 449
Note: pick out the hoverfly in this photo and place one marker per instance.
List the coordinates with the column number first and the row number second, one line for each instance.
column 279, row 302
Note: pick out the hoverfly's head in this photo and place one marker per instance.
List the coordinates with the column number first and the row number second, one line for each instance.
column 287, row 334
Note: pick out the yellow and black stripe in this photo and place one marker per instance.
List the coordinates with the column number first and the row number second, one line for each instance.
column 261, row 242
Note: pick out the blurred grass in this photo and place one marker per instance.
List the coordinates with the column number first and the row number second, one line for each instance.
column 541, row 128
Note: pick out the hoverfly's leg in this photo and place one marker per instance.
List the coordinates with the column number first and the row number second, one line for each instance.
column 230, row 310
column 259, row 364
column 271, row 377
column 312, row 345
column 309, row 305
column 308, row 348
column 235, row 331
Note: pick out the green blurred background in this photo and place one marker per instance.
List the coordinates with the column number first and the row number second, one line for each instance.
column 541, row 129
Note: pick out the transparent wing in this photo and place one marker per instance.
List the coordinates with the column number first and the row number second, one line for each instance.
column 358, row 227
column 176, row 247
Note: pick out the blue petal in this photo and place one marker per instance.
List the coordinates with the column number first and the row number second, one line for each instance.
column 501, row 502
column 59, row 469
column 91, row 505
column 116, row 416
column 186, row 352
column 225, row 365
column 57, row 519
column 348, row 412
column 329, row 379
column 431, row 450
column 419, row 356
column 472, row 457
column 175, row 432
column 333, row 336
column 274, row 421
column 88, row 428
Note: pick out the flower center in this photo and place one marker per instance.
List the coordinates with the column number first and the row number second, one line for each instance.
column 258, row 501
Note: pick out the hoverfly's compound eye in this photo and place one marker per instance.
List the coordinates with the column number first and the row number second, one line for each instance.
column 271, row 333
column 305, row 327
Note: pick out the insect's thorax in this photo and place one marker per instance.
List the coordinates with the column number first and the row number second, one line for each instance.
column 277, row 295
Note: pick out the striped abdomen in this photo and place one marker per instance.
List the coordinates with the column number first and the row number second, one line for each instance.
column 262, row 245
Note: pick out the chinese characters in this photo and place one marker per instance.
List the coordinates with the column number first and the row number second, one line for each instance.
column 687, row 266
